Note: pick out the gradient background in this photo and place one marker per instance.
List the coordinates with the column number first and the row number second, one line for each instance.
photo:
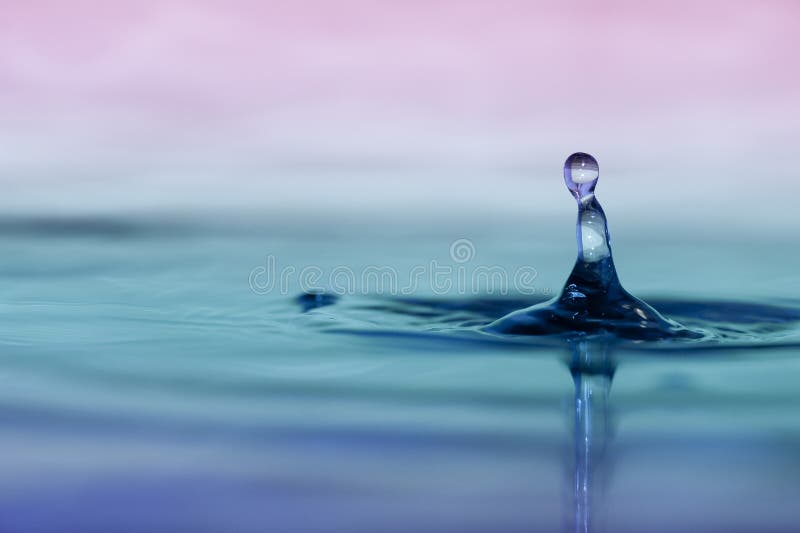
column 146, row 387
column 348, row 106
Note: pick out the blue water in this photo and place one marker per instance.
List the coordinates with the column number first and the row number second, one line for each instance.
column 147, row 387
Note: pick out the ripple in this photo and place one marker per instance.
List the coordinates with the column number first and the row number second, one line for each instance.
column 722, row 324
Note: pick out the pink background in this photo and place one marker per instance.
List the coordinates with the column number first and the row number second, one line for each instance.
column 157, row 105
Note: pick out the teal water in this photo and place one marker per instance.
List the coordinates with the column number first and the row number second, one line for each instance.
column 146, row 386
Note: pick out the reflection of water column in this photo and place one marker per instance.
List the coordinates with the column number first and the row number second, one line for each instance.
column 592, row 371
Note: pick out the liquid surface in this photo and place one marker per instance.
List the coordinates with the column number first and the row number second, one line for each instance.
column 145, row 383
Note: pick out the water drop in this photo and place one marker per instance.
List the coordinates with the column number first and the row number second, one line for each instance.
column 581, row 172
column 315, row 299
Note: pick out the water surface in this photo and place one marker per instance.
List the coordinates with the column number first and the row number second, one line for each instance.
column 148, row 387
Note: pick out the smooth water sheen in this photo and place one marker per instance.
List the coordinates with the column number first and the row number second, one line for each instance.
column 147, row 387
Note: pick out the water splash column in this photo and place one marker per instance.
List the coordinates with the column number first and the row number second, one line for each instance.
column 581, row 173
column 592, row 299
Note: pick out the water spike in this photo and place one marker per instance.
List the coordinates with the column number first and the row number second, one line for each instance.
column 592, row 300
column 581, row 173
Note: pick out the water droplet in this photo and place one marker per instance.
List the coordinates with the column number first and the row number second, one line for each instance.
column 580, row 174
column 313, row 300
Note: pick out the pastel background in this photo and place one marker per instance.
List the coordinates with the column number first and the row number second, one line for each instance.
column 411, row 106
column 155, row 154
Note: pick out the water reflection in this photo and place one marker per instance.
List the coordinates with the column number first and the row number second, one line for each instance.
column 592, row 368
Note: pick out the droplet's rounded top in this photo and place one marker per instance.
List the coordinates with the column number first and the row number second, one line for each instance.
column 580, row 174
